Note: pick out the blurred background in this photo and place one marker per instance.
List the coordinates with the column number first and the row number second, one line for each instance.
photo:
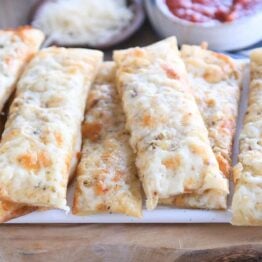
column 227, row 25
column 15, row 13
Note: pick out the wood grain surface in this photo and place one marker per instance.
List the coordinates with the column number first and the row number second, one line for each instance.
column 144, row 242
column 130, row 243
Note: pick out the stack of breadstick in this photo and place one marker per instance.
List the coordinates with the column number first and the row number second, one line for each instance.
column 154, row 123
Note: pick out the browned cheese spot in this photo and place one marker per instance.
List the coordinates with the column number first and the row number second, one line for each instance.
column 58, row 138
column 196, row 149
column 100, row 188
column 101, row 207
column 186, row 119
column 118, row 176
column 212, row 75
column 211, row 102
column 138, row 52
column 34, row 161
column 55, row 102
column 91, row 130
column 11, row 134
column 68, row 161
column 148, row 120
column 172, row 162
column 189, row 184
column 170, row 72
column 223, row 165
column 72, row 70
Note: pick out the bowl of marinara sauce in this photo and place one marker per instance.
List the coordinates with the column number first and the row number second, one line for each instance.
column 224, row 24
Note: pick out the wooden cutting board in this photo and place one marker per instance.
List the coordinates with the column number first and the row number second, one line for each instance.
column 143, row 242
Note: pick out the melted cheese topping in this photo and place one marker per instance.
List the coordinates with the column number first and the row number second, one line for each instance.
column 40, row 135
column 83, row 21
column 16, row 48
column 106, row 180
column 167, row 132
column 247, row 199
column 215, row 81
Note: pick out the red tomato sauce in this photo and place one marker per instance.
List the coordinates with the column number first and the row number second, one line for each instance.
column 201, row 11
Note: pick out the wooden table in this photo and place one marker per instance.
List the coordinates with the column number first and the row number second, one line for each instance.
column 143, row 242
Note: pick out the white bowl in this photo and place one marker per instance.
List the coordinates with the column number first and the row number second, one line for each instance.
column 238, row 34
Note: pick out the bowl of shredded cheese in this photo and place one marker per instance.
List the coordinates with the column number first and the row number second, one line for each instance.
column 98, row 24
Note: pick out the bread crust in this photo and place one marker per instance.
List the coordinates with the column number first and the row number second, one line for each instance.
column 18, row 46
column 44, row 126
column 215, row 80
column 168, row 135
column 247, row 198
column 106, row 175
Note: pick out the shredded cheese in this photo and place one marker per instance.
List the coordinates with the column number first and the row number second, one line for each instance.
column 83, row 21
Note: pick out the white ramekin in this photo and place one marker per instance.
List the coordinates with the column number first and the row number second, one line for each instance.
column 238, row 34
